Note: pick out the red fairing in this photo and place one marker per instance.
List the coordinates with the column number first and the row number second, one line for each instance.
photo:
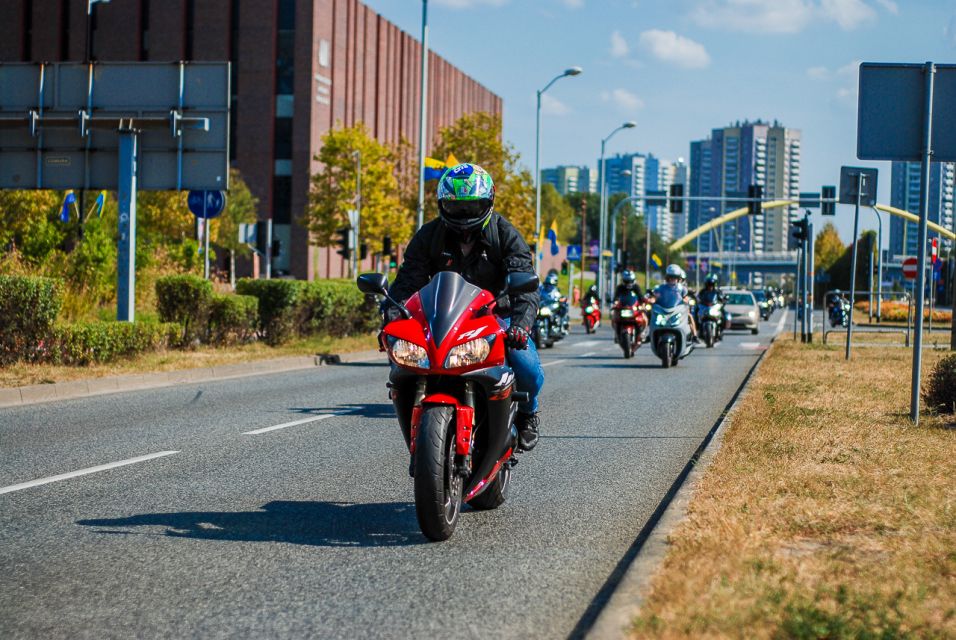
column 467, row 328
column 490, row 476
column 465, row 417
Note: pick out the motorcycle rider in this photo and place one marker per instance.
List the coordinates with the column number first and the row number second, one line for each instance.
column 549, row 288
column 590, row 297
column 711, row 294
column 627, row 286
column 472, row 239
column 674, row 277
column 837, row 302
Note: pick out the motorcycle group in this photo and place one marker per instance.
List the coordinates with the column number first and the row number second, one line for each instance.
column 462, row 322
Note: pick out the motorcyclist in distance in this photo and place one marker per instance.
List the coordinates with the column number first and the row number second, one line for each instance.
column 675, row 277
column 627, row 286
column 591, row 297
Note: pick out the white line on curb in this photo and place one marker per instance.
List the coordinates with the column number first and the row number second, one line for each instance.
column 749, row 345
column 586, row 343
column 588, row 354
column 294, row 423
column 781, row 322
column 83, row 472
column 548, row 364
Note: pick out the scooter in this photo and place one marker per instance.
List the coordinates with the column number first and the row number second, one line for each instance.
column 670, row 337
column 454, row 394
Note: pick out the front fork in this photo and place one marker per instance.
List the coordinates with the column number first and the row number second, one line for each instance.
column 410, row 419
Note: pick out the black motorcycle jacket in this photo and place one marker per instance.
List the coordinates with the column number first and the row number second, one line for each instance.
column 625, row 289
column 499, row 250
column 710, row 296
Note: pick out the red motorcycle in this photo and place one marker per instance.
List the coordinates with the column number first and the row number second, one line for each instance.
column 454, row 394
column 590, row 315
column 629, row 316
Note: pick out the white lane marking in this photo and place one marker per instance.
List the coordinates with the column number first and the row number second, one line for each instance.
column 294, row 423
column 780, row 323
column 586, row 343
column 588, row 354
column 83, row 472
column 749, row 345
column 548, row 364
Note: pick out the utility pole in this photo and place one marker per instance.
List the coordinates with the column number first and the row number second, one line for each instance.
column 584, row 231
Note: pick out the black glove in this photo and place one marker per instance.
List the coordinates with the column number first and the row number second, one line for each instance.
column 392, row 313
column 517, row 337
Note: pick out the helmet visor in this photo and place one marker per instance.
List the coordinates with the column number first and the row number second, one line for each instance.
column 465, row 210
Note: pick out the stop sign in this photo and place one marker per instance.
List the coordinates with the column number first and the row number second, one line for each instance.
column 909, row 268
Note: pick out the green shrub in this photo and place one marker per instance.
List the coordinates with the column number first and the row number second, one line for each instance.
column 337, row 308
column 940, row 390
column 233, row 319
column 28, row 309
column 279, row 309
column 85, row 343
column 186, row 300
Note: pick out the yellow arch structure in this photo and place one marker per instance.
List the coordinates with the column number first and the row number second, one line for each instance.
column 727, row 217
column 739, row 213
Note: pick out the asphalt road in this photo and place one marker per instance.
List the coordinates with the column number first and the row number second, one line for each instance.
column 310, row 530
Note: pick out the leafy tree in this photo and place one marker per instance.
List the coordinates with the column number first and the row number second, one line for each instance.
column 240, row 209
column 30, row 223
column 476, row 138
column 163, row 217
column 555, row 207
column 592, row 205
column 827, row 247
column 332, row 191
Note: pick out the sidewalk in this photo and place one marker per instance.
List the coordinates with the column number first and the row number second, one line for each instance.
column 32, row 394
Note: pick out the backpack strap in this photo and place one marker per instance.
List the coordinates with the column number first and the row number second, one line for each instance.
column 494, row 240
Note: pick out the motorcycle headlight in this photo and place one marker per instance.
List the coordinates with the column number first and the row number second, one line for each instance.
column 588, row 309
column 544, row 311
column 714, row 312
column 409, row 354
column 660, row 319
column 467, row 354
column 627, row 313
column 762, row 304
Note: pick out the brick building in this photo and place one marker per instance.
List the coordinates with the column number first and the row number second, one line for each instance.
column 299, row 67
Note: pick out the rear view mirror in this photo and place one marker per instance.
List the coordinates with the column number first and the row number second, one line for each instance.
column 521, row 282
column 373, row 283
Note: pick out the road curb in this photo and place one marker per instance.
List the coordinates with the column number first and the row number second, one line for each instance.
column 40, row 393
column 632, row 577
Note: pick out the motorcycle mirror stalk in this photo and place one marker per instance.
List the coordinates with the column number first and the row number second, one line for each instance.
column 376, row 284
column 516, row 282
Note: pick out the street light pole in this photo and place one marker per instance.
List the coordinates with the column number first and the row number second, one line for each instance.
column 572, row 71
column 630, row 124
column 422, row 122
column 356, row 253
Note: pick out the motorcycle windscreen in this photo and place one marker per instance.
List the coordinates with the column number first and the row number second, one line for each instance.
column 668, row 297
column 628, row 300
column 444, row 300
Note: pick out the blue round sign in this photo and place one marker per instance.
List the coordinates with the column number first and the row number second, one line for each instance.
column 206, row 204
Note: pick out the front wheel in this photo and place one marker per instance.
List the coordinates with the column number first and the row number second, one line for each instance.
column 667, row 357
column 588, row 326
column 438, row 488
column 496, row 493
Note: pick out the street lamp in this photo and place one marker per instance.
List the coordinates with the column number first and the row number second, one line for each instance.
column 626, row 173
column 630, row 124
column 572, row 71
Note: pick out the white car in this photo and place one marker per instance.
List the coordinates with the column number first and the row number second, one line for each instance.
column 743, row 310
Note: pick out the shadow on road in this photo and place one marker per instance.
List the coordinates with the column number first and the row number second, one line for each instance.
column 617, row 365
column 323, row 524
column 380, row 410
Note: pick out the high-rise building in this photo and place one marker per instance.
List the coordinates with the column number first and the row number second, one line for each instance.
column 668, row 225
column 568, row 179
column 905, row 194
column 726, row 164
column 648, row 174
column 299, row 68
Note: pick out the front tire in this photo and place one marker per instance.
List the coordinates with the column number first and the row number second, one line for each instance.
column 438, row 489
column 667, row 358
column 496, row 493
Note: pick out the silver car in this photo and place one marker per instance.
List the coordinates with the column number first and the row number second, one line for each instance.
column 743, row 310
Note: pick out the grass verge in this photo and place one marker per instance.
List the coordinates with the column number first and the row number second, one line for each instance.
column 174, row 360
column 825, row 514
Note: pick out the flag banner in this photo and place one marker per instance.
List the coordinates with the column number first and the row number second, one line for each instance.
column 657, row 260
column 540, row 247
column 435, row 169
column 98, row 205
column 553, row 237
column 68, row 199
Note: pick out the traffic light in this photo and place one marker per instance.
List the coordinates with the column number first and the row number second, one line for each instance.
column 755, row 201
column 828, row 208
column 800, row 230
column 344, row 241
column 387, row 246
column 392, row 263
column 363, row 251
column 677, row 198
column 564, row 268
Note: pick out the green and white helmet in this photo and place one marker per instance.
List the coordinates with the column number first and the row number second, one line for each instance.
column 466, row 197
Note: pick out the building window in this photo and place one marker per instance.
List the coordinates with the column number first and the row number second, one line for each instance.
column 282, row 200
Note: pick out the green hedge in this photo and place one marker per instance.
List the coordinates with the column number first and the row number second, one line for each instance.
column 186, row 300
column 337, row 308
column 279, row 309
column 86, row 343
column 940, row 389
column 28, row 309
column 233, row 319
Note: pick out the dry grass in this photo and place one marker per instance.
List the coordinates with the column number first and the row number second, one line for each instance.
column 825, row 514
column 24, row 374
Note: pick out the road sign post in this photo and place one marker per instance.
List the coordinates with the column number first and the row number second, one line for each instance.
column 206, row 205
column 126, row 254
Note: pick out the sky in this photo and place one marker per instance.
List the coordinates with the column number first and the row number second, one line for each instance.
column 680, row 68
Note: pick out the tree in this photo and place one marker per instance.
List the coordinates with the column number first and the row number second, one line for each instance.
column 332, row 191
column 827, row 247
column 30, row 224
column 240, row 209
column 555, row 207
column 476, row 138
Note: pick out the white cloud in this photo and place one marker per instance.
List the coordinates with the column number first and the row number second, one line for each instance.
column 551, row 106
column 670, row 47
column 624, row 99
column 818, row 73
column 949, row 31
column 468, row 4
column 574, row 4
column 619, row 47
column 785, row 16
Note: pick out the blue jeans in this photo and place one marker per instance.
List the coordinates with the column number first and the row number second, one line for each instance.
column 528, row 372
